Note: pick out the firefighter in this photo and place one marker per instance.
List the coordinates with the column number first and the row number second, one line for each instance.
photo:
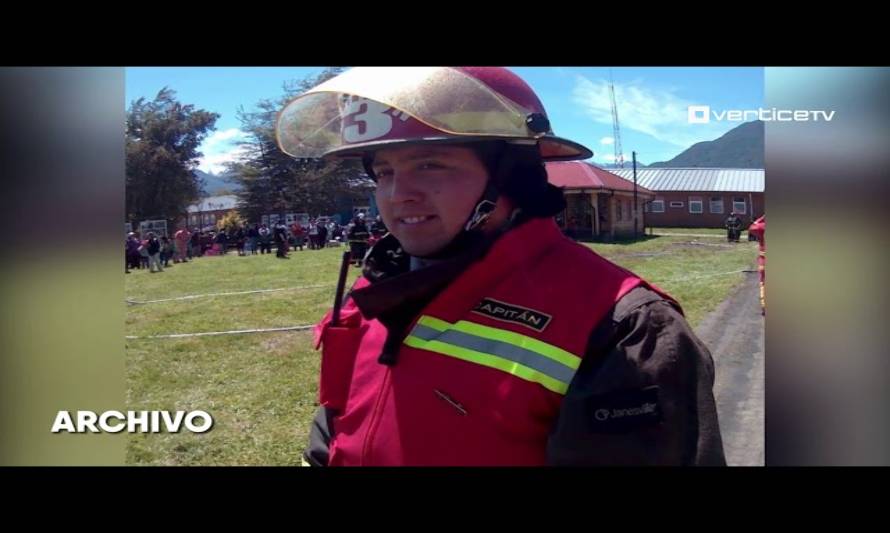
column 378, row 228
column 733, row 227
column 478, row 334
column 758, row 230
column 279, row 232
column 358, row 236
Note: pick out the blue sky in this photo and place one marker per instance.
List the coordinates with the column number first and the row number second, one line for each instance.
column 652, row 102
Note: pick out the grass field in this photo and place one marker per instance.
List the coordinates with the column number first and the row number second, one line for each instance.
column 716, row 232
column 261, row 388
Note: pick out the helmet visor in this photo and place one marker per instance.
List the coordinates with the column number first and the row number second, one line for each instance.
column 366, row 104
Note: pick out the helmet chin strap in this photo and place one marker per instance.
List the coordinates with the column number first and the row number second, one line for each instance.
column 484, row 208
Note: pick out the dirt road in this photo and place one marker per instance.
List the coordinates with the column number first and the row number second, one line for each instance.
column 734, row 334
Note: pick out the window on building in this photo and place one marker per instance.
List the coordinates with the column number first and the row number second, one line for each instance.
column 695, row 205
column 618, row 213
column 739, row 205
column 676, row 204
column 657, row 206
column 716, row 205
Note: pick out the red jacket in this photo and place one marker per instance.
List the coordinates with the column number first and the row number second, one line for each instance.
column 758, row 229
column 483, row 370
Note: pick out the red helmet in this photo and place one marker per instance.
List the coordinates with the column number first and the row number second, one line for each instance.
column 366, row 108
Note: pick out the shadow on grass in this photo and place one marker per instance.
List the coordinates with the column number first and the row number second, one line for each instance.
column 622, row 242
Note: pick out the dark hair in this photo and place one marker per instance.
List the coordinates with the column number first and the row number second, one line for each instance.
column 519, row 173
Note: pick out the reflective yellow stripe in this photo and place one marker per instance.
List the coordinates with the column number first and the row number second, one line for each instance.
column 490, row 361
column 495, row 334
column 516, row 354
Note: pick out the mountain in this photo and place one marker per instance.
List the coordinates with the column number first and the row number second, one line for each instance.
column 740, row 147
column 627, row 165
column 215, row 184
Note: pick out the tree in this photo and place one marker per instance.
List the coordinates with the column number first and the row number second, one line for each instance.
column 276, row 183
column 230, row 222
column 163, row 137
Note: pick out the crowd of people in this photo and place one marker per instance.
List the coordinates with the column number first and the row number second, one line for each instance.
column 155, row 252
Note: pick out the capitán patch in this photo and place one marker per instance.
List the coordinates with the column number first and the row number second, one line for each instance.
column 524, row 316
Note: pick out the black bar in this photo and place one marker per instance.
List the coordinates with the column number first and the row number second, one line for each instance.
column 341, row 285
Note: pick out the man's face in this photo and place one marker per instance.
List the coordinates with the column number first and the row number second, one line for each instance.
column 426, row 193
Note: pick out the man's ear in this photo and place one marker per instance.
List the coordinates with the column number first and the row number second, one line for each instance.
column 503, row 211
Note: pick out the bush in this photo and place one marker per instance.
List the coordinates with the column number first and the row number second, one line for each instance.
column 230, row 222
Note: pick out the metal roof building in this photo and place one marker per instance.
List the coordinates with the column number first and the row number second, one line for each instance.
column 700, row 197
column 599, row 203
column 214, row 203
column 697, row 179
column 581, row 175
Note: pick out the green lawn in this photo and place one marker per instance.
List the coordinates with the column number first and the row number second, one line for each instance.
column 686, row 267
column 261, row 388
column 717, row 232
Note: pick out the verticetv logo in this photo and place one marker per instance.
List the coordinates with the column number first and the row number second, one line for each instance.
column 702, row 114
